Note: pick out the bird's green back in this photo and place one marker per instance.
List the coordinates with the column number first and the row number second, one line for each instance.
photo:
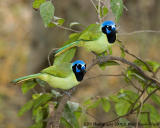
column 67, row 52
column 92, row 32
column 60, row 70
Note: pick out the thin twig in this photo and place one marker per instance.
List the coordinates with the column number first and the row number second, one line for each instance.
column 99, row 11
column 138, row 31
column 134, row 56
column 66, row 28
column 94, row 5
column 51, row 56
column 103, row 59
column 133, row 83
column 55, row 119
column 141, row 105
column 102, row 75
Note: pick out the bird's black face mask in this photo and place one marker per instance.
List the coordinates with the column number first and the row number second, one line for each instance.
column 110, row 33
column 79, row 71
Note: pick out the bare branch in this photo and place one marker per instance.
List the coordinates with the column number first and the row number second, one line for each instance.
column 66, row 28
column 133, row 84
column 101, row 60
column 138, row 31
column 54, row 120
column 94, row 5
column 51, row 56
column 134, row 56
column 99, row 11
column 102, row 75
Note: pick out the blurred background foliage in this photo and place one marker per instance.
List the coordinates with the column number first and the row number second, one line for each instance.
column 25, row 44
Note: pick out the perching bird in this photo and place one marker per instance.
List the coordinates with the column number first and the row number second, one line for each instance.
column 96, row 38
column 62, row 76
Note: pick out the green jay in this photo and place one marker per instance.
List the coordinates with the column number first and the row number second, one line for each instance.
column 62, row 76
column 95, row 38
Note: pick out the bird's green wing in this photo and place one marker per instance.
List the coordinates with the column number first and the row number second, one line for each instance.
column 92, row 32
column 60, row 70
column 67, row 51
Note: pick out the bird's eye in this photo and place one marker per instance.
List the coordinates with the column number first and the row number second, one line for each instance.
column 109, row 27
column 79, row 66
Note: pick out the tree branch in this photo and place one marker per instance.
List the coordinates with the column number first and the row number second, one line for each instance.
column 59, row 111
column 54, row 120
column 138, row 31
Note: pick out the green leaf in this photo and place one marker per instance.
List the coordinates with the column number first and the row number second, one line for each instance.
column 104, row 11
column 105, row 104
column 132, row 73
column 73, row 105
column 51, row 25
column 41, row 100
column 124, row 121
column 153, row 115
column 28, row 85
column 94, row 104
column 122, row 52
column 117, row 8
column 25, row 108
column 87, row 102
column 128, row 95
column 141, row 64
column 58, row 20
column 122, row 107
column 78, row 113
column 37, row 125
column 70, row 116
column 55, row 93
column 154, row 65
column 38, row 114
column 114, row 98
column 61, row 21
column 36, row 95
column 73, row 24
column 47, row 12
column 65, row 123
column 108, row 63
column 154, row 97
column 36, row 4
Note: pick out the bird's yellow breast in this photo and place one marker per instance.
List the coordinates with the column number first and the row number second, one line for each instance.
column 58, row 82
column 98, row 46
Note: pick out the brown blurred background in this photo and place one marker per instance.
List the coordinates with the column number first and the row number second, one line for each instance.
column 25, row 44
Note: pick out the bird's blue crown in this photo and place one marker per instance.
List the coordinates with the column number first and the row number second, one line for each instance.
column 108, row 27
column 80, row 65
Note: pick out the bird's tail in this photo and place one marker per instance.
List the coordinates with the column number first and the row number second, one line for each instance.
column 66, row 47
column 53, row 56
column 24, row 78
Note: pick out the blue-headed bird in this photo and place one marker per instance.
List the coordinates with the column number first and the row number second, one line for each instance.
column 95, row 38
column 62, row 76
